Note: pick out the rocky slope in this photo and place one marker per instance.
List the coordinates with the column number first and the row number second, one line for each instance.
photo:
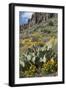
column 36, row 19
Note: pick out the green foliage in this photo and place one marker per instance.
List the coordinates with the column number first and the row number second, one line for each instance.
column 51, row 23
column 44, row 62
column 49, row 67
column 31, row 71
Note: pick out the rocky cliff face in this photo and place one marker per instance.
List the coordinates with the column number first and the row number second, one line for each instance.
column 36, row 19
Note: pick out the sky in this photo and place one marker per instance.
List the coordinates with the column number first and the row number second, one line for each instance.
column 24, row 16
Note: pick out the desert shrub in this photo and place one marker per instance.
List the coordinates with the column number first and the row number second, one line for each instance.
column 49, row 67
column 51, row 23
column 31, row 71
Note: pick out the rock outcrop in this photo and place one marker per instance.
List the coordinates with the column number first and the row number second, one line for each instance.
column 36, row 19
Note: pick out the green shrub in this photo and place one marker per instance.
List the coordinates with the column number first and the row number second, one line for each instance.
column 30, row 72
column 51, row 23
column 49, row 67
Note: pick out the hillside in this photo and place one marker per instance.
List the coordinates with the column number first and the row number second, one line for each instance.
column 37, row 36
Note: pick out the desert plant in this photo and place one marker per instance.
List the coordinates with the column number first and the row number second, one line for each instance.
column 51, row 23
column 49, row 67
